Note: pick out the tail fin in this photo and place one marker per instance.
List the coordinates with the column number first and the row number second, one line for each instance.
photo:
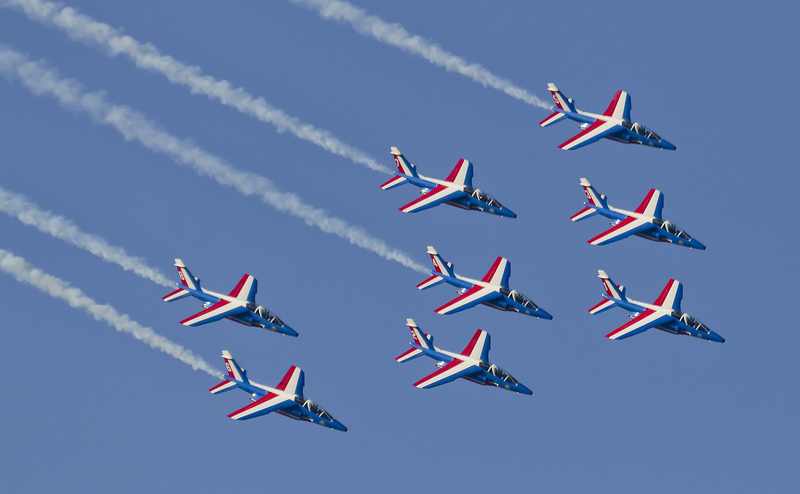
column 404, row 167
column 440, row 266
column 594, row 198
column 234, row 371
column 562, row 102
column 420, row 338
column 615, row 292
column 187, row 279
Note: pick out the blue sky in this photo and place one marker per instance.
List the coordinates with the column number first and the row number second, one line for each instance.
column 92, row 410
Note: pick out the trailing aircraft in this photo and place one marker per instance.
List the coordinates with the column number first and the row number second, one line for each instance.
column 645, row 222
column 492, row 290
column 664, row 314
column 456, row 190
column 614, row 123
column 238, row 306
column 471, row 364
column 286, row 399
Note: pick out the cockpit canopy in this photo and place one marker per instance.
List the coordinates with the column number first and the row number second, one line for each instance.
column 313, row 408
column 263, row 312
column 641, row 130
column 673, row 229
column 694, row 323
column 483, row 197
column 498, row 373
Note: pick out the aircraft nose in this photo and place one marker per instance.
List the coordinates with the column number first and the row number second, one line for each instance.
column 715, row 337
column 508, row 213
column 543, row 314
column 521, row 388
column 668, row 145
column 695, row 244
column 338, row 426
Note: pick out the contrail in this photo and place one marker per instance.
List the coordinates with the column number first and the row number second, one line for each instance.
column 58, row 288
column 41, row 80
column 394, row 34
column 147, row 56
column 18, row 206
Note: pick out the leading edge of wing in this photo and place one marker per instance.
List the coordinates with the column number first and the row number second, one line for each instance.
column 449, row 373
column 472, row 297
column 220, row 310
column 593, row 133
column 644, row 321
column 438, row 195
column 269, row 403
column 627, row 227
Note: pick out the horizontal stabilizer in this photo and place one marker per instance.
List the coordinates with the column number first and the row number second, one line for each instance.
column 223, row 386
column 176, row 295
column 432, row 281
column 394, row 182
column 583, row 214
column 553, row 118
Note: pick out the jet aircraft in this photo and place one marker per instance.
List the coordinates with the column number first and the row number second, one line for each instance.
column 645, row 222
column 664, row 314
column 456, row 190
column 614, row 124
column 239, row 305
column 472, row 364
column 491, row 290
column 287, row 399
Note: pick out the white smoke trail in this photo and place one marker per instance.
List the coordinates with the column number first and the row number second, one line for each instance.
column 147, row 56
column 41, row 80
column 395, row 35
column 18, row 206
column 58, row 288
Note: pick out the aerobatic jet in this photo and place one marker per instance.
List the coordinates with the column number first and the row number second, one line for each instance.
column 472, row 364
column 645, row 222
column 664, row 314
column 239, row 305
column 456, row 190
column 491, row 290
column 614, row 124
column 286, row 399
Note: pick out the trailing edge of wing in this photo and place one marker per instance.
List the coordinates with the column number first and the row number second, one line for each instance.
column 449, row 373
column 438, row 195
column 220, row 310
column 627, row 227
column 269, row 403
column 472, row 297
column 644, row 321
column 593, row 133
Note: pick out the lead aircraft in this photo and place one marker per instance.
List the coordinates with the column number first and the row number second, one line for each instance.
column 664, row 314
column 645, row 222
column 238, row 306
column 492, row 290
column 472, row 364
column 287, row 399
column 456, row 190
column 614, row 123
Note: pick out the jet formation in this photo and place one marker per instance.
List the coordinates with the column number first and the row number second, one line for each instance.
column 471, row 364
column 614, row 123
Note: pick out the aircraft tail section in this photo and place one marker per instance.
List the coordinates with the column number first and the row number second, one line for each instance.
column 234, row 371
column 562, row 102
column 554, row 117
column 422, row 339
column 187, row 279
column 404, row 167
column 615, row 292
column 440, row 266
column 594, row 198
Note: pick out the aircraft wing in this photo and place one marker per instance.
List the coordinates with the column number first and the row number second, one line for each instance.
column 220, row 310
column 449, row 373
column 644, row 321
column 593, row 133
column 627, row 227
column 269, row 403
column 436, row 196
column 472, row 297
